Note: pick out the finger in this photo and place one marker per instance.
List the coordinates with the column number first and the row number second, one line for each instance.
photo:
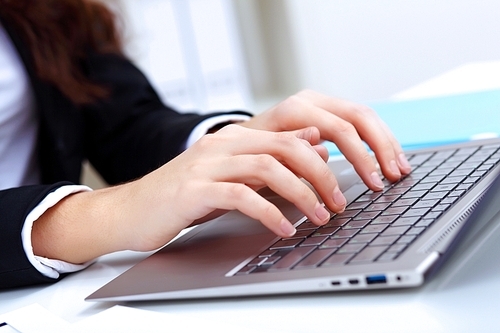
column 296, row 154
column 258, row 170
column 301, row 111
column 346, row 138
column 311, row 134
column 302, row 159
column 322, row 151
column 387, row 150
column 237, row 196
column 371, row 129
column 401, row 160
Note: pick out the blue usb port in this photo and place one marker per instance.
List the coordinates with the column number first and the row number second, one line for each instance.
column 375, row 279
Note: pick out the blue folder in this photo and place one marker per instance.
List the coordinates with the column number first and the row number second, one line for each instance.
column 439, row 120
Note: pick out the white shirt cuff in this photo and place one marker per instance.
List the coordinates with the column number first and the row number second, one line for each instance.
column 202, row 128
column 50, row 267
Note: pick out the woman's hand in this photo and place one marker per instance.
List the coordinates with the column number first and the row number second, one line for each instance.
column 221, row 171
column 346, row 124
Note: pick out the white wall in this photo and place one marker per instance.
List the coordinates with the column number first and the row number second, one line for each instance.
column 189, row 49
column 369, row 49
column 358, row 49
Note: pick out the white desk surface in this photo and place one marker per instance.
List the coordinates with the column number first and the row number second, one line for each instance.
column 463, row 297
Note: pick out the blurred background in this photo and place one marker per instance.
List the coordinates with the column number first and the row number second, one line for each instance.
column 362, row 50
column 249, row 54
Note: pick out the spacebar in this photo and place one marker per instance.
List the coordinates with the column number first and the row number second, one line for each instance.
column 292, row 258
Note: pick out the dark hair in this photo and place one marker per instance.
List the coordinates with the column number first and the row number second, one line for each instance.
column 59, row 33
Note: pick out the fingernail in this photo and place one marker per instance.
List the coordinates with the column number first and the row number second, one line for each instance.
column 376, row 180
column 287, row 228
column 403, row 162
column 394, row 168
column 338, row 197
column 321, row 213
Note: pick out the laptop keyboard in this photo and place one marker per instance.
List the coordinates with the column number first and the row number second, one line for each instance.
column 379, row 226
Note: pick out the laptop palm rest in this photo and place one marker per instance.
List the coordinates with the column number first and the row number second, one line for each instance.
column 230, row 238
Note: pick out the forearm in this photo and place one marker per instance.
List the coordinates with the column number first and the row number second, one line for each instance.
column 79, row 228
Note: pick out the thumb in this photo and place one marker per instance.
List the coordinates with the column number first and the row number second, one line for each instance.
column 310, row 134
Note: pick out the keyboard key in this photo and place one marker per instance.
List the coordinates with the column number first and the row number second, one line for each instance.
column 406, row 221
column 351, row 248
column 442, row 170
column 325, row 231
column 286, row 244
column 385, row 240
column 397, row 191
column 368, row 254
column 384, row 219
column 432, row 179
column 434, row 195
column 358, row 205
column 366, row 216
column 315, row 258
column 426, row 203
column 416, row 160
column 408, row 181
column 460, row 172
column 306, row 225
column 334, row 242
column 414, row 194
column 292, row 258
column 398, row 248
column 394, row 211
column 271, row 260
column 337, row 259
column 257, row 261
column 405, row 202
column 356, row 224
column 349, row 213
column 391, row 231
column 337, row 222
column 268, row 253
column 406, row 239
column 453, row 180
column 373, row 228
column 433, row 215
column 370, row 196
column 441, row 207
column 423, row 187
column 343, row 233
column 416, row 212
column 301, row 234
column 443, row 187
column 377, row 207
column 362, row 238
column 424, row 222
column 415, row 231
column 314, row 241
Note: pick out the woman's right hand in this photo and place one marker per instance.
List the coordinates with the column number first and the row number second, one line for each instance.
column 222, row 171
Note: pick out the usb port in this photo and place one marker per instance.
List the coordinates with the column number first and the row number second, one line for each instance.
column 374, row 279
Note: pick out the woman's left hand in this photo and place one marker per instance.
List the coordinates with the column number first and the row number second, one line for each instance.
column 346, row 124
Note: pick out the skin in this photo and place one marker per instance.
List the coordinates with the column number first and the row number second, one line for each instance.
column 276, row 149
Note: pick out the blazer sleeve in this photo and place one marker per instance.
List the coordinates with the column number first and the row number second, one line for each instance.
column 15, row 205
column 132, row 132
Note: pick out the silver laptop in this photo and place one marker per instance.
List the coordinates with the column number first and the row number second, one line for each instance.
column 390, row 239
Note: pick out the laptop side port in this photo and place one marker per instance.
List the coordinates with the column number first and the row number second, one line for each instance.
column 376, row 279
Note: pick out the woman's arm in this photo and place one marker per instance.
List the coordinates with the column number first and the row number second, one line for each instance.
column 220, row 171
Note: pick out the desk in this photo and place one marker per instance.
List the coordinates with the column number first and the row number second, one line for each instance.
column 463, row 297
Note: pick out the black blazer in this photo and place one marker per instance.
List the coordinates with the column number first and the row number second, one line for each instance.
column 124, row 137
